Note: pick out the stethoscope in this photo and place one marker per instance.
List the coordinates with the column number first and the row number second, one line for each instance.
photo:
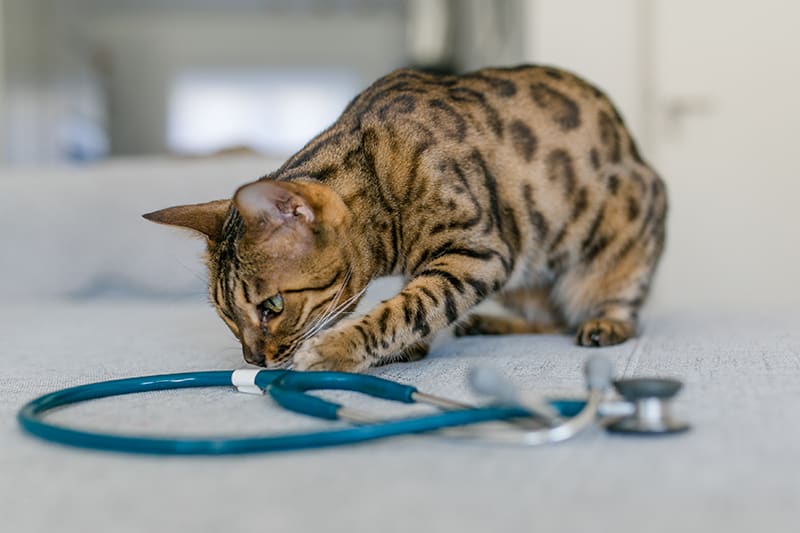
column 642, row 408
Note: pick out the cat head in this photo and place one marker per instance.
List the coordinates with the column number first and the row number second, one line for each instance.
column 280, row 263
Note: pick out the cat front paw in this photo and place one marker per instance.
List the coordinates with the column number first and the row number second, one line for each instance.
column 331, row 351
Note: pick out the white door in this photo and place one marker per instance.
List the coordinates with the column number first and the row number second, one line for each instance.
column 725, row 135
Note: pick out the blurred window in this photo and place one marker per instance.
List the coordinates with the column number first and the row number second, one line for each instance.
column 270, row 111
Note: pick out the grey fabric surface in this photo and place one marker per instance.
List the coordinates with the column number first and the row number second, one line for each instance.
column 737, row 470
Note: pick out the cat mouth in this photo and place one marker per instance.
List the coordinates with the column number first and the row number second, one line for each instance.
column 283, row 363
column 282, row 358
column 257, row 362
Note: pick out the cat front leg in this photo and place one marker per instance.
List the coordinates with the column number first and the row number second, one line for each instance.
column 440, row 292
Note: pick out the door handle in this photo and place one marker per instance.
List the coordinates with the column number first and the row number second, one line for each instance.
column 678, row 109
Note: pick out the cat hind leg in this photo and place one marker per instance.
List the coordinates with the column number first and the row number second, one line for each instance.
column 602, row 304
column 533, row 314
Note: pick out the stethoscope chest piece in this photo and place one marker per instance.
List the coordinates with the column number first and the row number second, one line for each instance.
column 651, row 399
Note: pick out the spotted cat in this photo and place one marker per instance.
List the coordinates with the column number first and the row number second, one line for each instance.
column 519, row 184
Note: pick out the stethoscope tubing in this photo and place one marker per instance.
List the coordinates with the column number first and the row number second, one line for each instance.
column 31, row 419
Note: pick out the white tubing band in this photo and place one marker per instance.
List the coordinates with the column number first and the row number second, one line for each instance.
column 244, row 379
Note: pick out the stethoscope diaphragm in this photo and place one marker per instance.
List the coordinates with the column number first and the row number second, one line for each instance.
column 651, row 401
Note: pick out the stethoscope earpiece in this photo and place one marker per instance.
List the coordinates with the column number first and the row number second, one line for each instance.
column 650, row 398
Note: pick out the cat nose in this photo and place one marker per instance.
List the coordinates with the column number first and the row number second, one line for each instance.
column 254, row 358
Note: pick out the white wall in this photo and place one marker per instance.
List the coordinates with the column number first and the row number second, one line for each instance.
column 599, row 40
column 710, row 90
column 728, row 80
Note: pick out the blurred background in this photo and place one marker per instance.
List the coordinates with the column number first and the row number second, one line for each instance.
column 110, row 108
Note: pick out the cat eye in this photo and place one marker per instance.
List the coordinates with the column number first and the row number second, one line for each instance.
column 271, row 306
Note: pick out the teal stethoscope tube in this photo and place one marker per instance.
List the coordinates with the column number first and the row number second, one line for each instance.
column 293, row 387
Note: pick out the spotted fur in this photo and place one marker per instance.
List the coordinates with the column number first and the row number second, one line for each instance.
column 519, row 184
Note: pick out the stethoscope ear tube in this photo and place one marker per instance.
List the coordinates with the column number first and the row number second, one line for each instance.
column 646, row 400
column 599, row 372
column 580, row 415
column 572, row 417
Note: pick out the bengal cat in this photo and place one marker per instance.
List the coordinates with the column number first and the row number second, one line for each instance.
column 520, row 184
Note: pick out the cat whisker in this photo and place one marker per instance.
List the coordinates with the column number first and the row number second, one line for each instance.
column 337, row 313
column 333, row 301
column 326, row 319
column 328, row 323
column 313, row 327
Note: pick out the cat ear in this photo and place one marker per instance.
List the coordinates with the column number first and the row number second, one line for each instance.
column 206, row 218
column 273, row 203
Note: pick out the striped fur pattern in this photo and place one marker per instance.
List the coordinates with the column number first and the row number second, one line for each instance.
column 519, row 184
